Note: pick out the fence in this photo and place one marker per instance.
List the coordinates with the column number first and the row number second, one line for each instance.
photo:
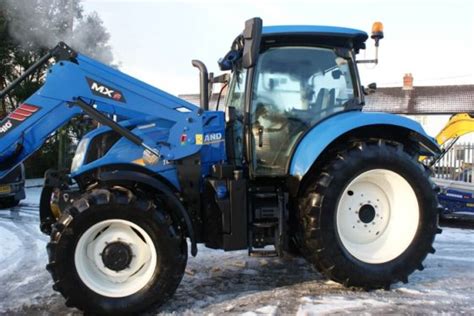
column 457, row 164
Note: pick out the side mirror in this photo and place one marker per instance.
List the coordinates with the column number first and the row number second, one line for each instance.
column 371, row 88
column 252, row 36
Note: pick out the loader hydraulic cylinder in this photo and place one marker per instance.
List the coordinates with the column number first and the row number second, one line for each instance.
column 102, row 119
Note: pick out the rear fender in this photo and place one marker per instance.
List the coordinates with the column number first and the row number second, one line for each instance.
column 321, row 136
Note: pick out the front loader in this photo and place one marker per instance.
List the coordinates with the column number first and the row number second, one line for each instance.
column 290, row 165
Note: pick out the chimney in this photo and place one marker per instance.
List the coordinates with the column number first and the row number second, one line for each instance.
column 407, row 82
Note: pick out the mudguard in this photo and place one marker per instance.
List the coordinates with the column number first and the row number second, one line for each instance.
column 132, row 178
column 316, row 140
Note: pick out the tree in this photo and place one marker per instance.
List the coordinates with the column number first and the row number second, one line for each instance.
column 28, row 28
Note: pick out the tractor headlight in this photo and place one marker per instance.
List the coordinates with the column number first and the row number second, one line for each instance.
column 81, row 150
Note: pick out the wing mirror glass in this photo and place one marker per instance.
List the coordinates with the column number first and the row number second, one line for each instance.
column 371, row 88
column 252, row 36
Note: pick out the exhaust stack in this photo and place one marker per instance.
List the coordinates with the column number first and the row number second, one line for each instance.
column 204, row 84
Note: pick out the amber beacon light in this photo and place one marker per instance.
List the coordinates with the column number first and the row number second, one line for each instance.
column 377, row 32
column 377, row 35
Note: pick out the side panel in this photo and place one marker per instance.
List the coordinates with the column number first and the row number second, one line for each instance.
column 323, row 134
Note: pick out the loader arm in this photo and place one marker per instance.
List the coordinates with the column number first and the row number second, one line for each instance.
column 77, row 84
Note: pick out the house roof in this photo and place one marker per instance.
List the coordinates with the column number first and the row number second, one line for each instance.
column 422, row 100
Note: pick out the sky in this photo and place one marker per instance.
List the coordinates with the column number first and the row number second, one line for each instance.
column 155, row 41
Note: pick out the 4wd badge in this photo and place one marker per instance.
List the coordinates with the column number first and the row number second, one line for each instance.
column 105, row 91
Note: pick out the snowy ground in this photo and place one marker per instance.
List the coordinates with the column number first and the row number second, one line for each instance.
column 216, row 282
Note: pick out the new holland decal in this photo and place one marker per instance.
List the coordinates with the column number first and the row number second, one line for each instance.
column 210, row 138
column 105, row 91
column 15, row 118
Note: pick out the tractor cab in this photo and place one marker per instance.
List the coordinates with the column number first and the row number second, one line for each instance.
column 285, row 80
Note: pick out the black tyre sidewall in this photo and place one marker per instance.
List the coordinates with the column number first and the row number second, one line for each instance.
column 171, row 260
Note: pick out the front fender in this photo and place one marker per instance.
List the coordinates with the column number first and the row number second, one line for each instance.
column 132, row 178
column 316, row 140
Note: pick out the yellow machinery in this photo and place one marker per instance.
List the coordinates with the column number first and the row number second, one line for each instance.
column 457, row 126
column 456, row 197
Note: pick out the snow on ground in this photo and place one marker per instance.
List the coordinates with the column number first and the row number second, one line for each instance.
column 217, row 282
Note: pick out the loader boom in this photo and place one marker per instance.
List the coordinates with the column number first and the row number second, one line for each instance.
column 76, row 84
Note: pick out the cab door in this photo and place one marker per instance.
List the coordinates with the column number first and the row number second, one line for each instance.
column 293, row 88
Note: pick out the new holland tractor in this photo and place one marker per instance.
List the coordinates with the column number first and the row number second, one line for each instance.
column 290, row 165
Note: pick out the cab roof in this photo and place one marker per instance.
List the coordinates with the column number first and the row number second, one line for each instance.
column 324, row 35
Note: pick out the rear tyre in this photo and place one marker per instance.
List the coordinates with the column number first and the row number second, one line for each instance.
column 369, row 217
column 116, row 253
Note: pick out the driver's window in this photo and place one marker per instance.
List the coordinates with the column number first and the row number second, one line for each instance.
column 293, row 88
column 236, row 95
column 235, row 106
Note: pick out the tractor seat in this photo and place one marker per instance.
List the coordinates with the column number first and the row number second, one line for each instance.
column 325, row 100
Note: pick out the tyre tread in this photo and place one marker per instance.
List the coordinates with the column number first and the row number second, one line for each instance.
column 312, row 245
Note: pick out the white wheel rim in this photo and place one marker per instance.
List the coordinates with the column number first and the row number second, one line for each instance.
column 377, row 216
column 104, row 281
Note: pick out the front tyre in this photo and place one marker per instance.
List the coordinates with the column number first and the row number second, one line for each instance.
column 116, row 253
column 369, row 217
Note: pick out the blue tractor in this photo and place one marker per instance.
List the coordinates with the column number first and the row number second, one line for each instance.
column 291, row 164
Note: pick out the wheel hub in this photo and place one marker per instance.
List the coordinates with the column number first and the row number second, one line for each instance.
column 117, row 256
column 367, row 213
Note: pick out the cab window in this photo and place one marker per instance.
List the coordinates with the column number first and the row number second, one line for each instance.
column 293, row 89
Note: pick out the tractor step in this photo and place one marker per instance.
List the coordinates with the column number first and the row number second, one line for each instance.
column 268, row 221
